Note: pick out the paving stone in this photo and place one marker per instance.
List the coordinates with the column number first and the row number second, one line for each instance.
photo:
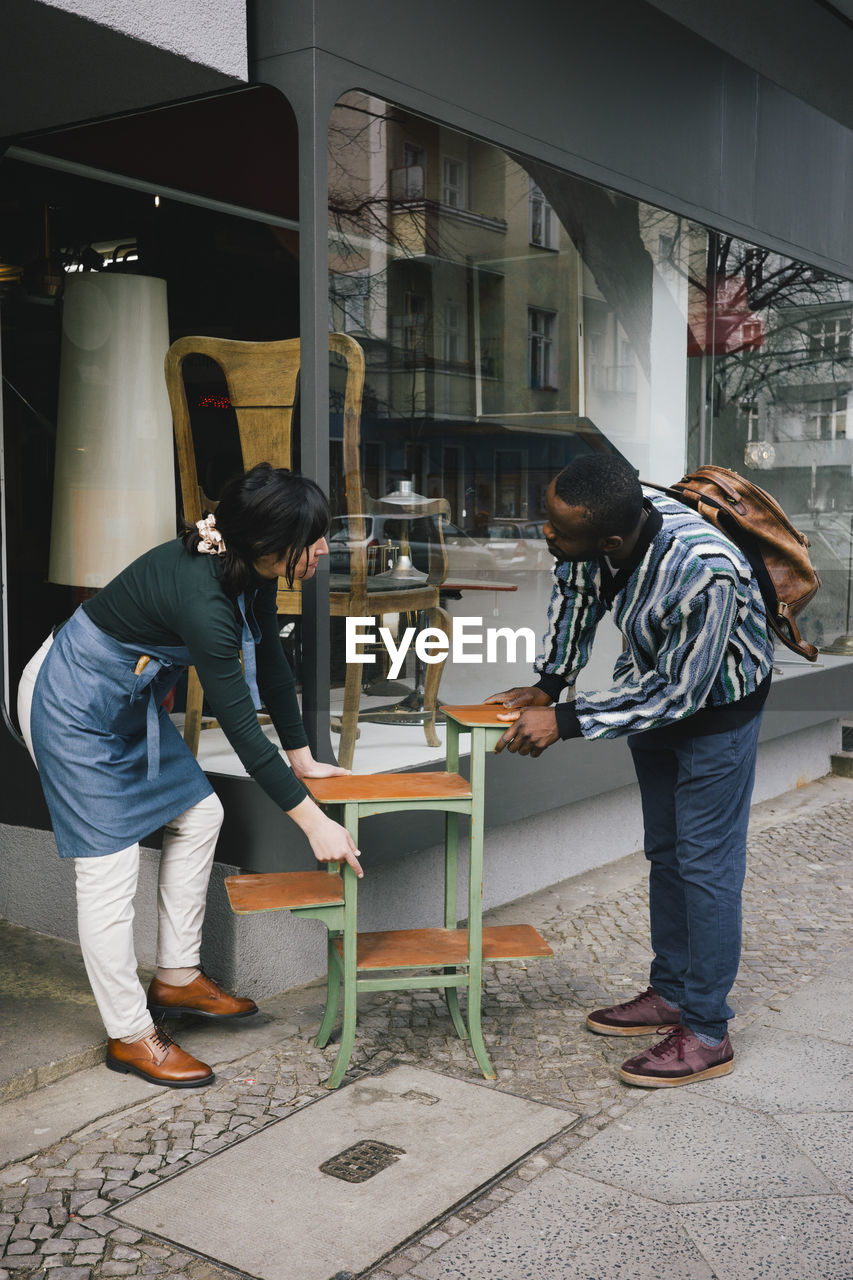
column 93, row 1206
column 798, row 917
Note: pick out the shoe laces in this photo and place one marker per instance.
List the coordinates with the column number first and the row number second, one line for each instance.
column 674, row 1038
column 640, row 999
column 161, row 1037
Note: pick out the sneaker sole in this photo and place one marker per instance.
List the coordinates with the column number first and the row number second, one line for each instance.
column 125, row 1068
column 160, row 1011
column 605, row 1029
column 671, row 1082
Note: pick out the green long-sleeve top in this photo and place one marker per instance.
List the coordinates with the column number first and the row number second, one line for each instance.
column 171, row 596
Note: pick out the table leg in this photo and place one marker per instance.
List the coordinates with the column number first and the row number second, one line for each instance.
column 451, row 872
column 350, row 957
column 475, row 903
column 333, row 989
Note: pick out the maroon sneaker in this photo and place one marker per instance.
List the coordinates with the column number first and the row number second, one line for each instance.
column 647, row 1012
column 679, row 1059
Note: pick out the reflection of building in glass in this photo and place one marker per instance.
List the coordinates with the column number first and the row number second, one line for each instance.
column 437, row 264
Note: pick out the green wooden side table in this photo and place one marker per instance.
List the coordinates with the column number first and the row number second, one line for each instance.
column 447, row 958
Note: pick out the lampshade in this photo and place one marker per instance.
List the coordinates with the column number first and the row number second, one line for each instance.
column 405, row 495
column 114, row 476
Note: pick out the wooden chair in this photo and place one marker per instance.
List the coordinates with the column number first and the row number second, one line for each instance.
column 261, row 378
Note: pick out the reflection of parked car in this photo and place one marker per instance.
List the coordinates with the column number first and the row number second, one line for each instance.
column 519, row 544
column 466, row 557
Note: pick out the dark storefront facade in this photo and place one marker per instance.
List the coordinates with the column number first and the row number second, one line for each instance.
column 596, row 232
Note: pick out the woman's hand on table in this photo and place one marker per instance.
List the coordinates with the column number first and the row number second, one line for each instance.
column 330, row 842
column 304, row 765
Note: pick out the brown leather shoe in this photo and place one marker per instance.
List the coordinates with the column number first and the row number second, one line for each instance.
column 201, row 996
column 157, row 1058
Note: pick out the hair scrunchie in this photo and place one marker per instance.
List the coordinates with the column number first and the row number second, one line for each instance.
column 211, row 542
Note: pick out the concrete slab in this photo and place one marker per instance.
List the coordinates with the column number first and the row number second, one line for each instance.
column 285, row 1218
column 786, row 1071
column 775, row 1240
column 842, row 966
column 564, row 1227
column 822, row 1008
column 828, row 1142
column 40, row 1118
column 48, row 1021
column 681, row 1147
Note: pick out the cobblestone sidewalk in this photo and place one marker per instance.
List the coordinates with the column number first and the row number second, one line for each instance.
column 798, row 916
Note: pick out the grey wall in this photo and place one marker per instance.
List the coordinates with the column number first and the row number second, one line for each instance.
column 59, row 67
column 618, row 92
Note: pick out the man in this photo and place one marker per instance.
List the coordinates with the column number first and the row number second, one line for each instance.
column 688, row 690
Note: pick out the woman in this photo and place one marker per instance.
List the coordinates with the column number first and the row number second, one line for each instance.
column 114, row 768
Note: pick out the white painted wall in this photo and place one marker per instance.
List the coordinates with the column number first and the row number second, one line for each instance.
column 211, row 32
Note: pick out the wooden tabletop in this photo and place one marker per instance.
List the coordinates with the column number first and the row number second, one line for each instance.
column 479, row 715
column 389, row 786
column 479, row 584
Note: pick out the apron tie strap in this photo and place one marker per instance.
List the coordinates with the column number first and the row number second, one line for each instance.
column 250, row 637
column 152, row 734
column 146, row 680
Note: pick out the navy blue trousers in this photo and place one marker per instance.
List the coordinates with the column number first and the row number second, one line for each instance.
column 696, row 794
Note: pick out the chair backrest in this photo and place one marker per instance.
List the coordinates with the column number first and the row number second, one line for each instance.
column 261, row 378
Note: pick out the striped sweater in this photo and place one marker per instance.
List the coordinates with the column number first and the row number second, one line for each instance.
column 692, row 616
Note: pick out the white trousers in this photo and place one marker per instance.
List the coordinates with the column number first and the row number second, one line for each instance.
column 106, row 887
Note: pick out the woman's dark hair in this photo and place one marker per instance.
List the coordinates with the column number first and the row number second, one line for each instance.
column 606, row 487
column 266, row 511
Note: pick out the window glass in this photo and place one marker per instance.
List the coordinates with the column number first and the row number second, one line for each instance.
column 770, row 375
column 77, row 395
column 511, row 317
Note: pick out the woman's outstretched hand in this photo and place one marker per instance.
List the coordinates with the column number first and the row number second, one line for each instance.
column 304, row 765
column 330, row 842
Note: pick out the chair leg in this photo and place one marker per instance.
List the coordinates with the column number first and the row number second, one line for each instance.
column 451, row 995
column 192, row 719
column 349, row 716
column 438, row 617
column 350, row 971
column 333, row 990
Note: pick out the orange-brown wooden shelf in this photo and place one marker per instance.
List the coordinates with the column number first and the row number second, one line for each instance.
column 283, row 891
column 389, row 786
column 423, row 948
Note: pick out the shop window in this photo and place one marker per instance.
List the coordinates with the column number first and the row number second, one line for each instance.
column 768, row 396
column 543, row 223
column 454, row 333
column 541, row 349
column 453, row 183
column 829, row 335
column 143, row 216
column 490, row 364
column 827, row 419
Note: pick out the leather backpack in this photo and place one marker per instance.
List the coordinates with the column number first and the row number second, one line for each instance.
column 777, row 552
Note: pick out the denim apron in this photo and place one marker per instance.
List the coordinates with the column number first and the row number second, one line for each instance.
column 113, row 766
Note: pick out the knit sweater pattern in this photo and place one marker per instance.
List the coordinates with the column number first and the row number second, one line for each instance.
column 692, row 616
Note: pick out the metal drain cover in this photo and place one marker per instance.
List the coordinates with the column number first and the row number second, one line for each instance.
column 361, row 1161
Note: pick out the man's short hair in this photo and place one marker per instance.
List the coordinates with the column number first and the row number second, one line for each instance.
column 606, row 487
